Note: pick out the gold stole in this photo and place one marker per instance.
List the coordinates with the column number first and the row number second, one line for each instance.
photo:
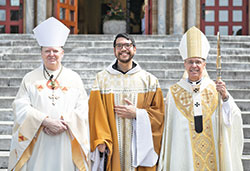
column 203, row 147
column 125, row 132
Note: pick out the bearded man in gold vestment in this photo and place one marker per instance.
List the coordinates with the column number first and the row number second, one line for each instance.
column 126, row 114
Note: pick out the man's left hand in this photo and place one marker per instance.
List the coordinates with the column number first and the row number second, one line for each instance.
column 126, row 111
column 221, row 88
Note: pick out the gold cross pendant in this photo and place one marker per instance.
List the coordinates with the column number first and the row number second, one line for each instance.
column 53, row 98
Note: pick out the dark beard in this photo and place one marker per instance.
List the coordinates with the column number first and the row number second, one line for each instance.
column 125, row 61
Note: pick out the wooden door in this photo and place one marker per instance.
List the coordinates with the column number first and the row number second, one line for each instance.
column 229, row 17
column 11, row 16
column 66, row 12
column 148, row 16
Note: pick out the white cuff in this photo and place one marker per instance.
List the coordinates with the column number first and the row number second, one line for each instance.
column 226, row 112
column 97, row 162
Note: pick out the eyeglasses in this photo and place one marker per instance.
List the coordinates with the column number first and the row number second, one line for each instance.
column 126, row 45
column 197, row 62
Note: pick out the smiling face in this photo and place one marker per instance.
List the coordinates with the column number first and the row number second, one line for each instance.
column 52, row 57
column 124, row 50
column 194, row 68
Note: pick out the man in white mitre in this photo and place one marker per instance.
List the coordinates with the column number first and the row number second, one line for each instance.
column 51, row 111
column 190, row 140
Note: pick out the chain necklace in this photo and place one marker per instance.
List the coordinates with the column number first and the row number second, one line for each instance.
column 52, row 84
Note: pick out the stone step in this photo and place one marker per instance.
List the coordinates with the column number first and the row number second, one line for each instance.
column 96, row 43
column 87, row 37
column 243, row 104
column 5, row 141
column 6, row 102
column 17, row 37
column 176, row 37
column 6, row 127
column 246, row 150
column 109, row 43
column 245, row 117
column 246, row 162
column 167, row 65
column 6, row 114
column 109, row 57
column 92, row 57
column 240, row 93
column 101, row 50
column 246, row 131
column 4, row 156
column 159, row 73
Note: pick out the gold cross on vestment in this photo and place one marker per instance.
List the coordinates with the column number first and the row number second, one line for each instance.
column 53, row 98
column 185, row 98
column 207, row 95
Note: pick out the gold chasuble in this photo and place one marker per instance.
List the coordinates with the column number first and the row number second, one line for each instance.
column 185, row 149
column 127, row 152
column 204, row 155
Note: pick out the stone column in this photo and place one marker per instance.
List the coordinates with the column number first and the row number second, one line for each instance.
column 41, row 11
column 162, row 6
column 29, row 15
column 178, row 17
column 191, row 13
column 154, row 16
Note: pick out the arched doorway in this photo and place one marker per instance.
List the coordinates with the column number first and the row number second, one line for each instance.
column 91, row 14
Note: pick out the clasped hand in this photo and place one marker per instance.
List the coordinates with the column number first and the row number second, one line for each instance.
column 124, row 111
column 54, row 126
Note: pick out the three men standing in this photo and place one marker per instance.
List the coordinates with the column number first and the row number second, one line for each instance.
column 126, row 113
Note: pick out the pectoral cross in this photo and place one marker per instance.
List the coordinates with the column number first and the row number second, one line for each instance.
column 53, row 98
column 197, row 104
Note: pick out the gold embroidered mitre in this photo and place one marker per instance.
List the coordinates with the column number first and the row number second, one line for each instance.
column 194, row 44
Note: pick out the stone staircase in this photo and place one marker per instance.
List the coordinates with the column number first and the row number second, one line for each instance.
column 88, row 54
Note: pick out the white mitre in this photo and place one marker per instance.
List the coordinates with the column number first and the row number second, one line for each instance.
column 51, row 33
column 194, row 44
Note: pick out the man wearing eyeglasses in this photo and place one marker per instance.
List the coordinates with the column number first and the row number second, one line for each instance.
column 126, row 113
column 190, row 137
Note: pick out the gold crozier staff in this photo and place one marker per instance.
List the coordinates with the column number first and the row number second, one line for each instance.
column 219, row 119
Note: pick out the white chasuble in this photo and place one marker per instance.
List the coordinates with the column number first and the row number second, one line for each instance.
column 31, row 148
column 185, row 149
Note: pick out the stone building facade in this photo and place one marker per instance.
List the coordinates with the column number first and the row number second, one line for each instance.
column 230, row 17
